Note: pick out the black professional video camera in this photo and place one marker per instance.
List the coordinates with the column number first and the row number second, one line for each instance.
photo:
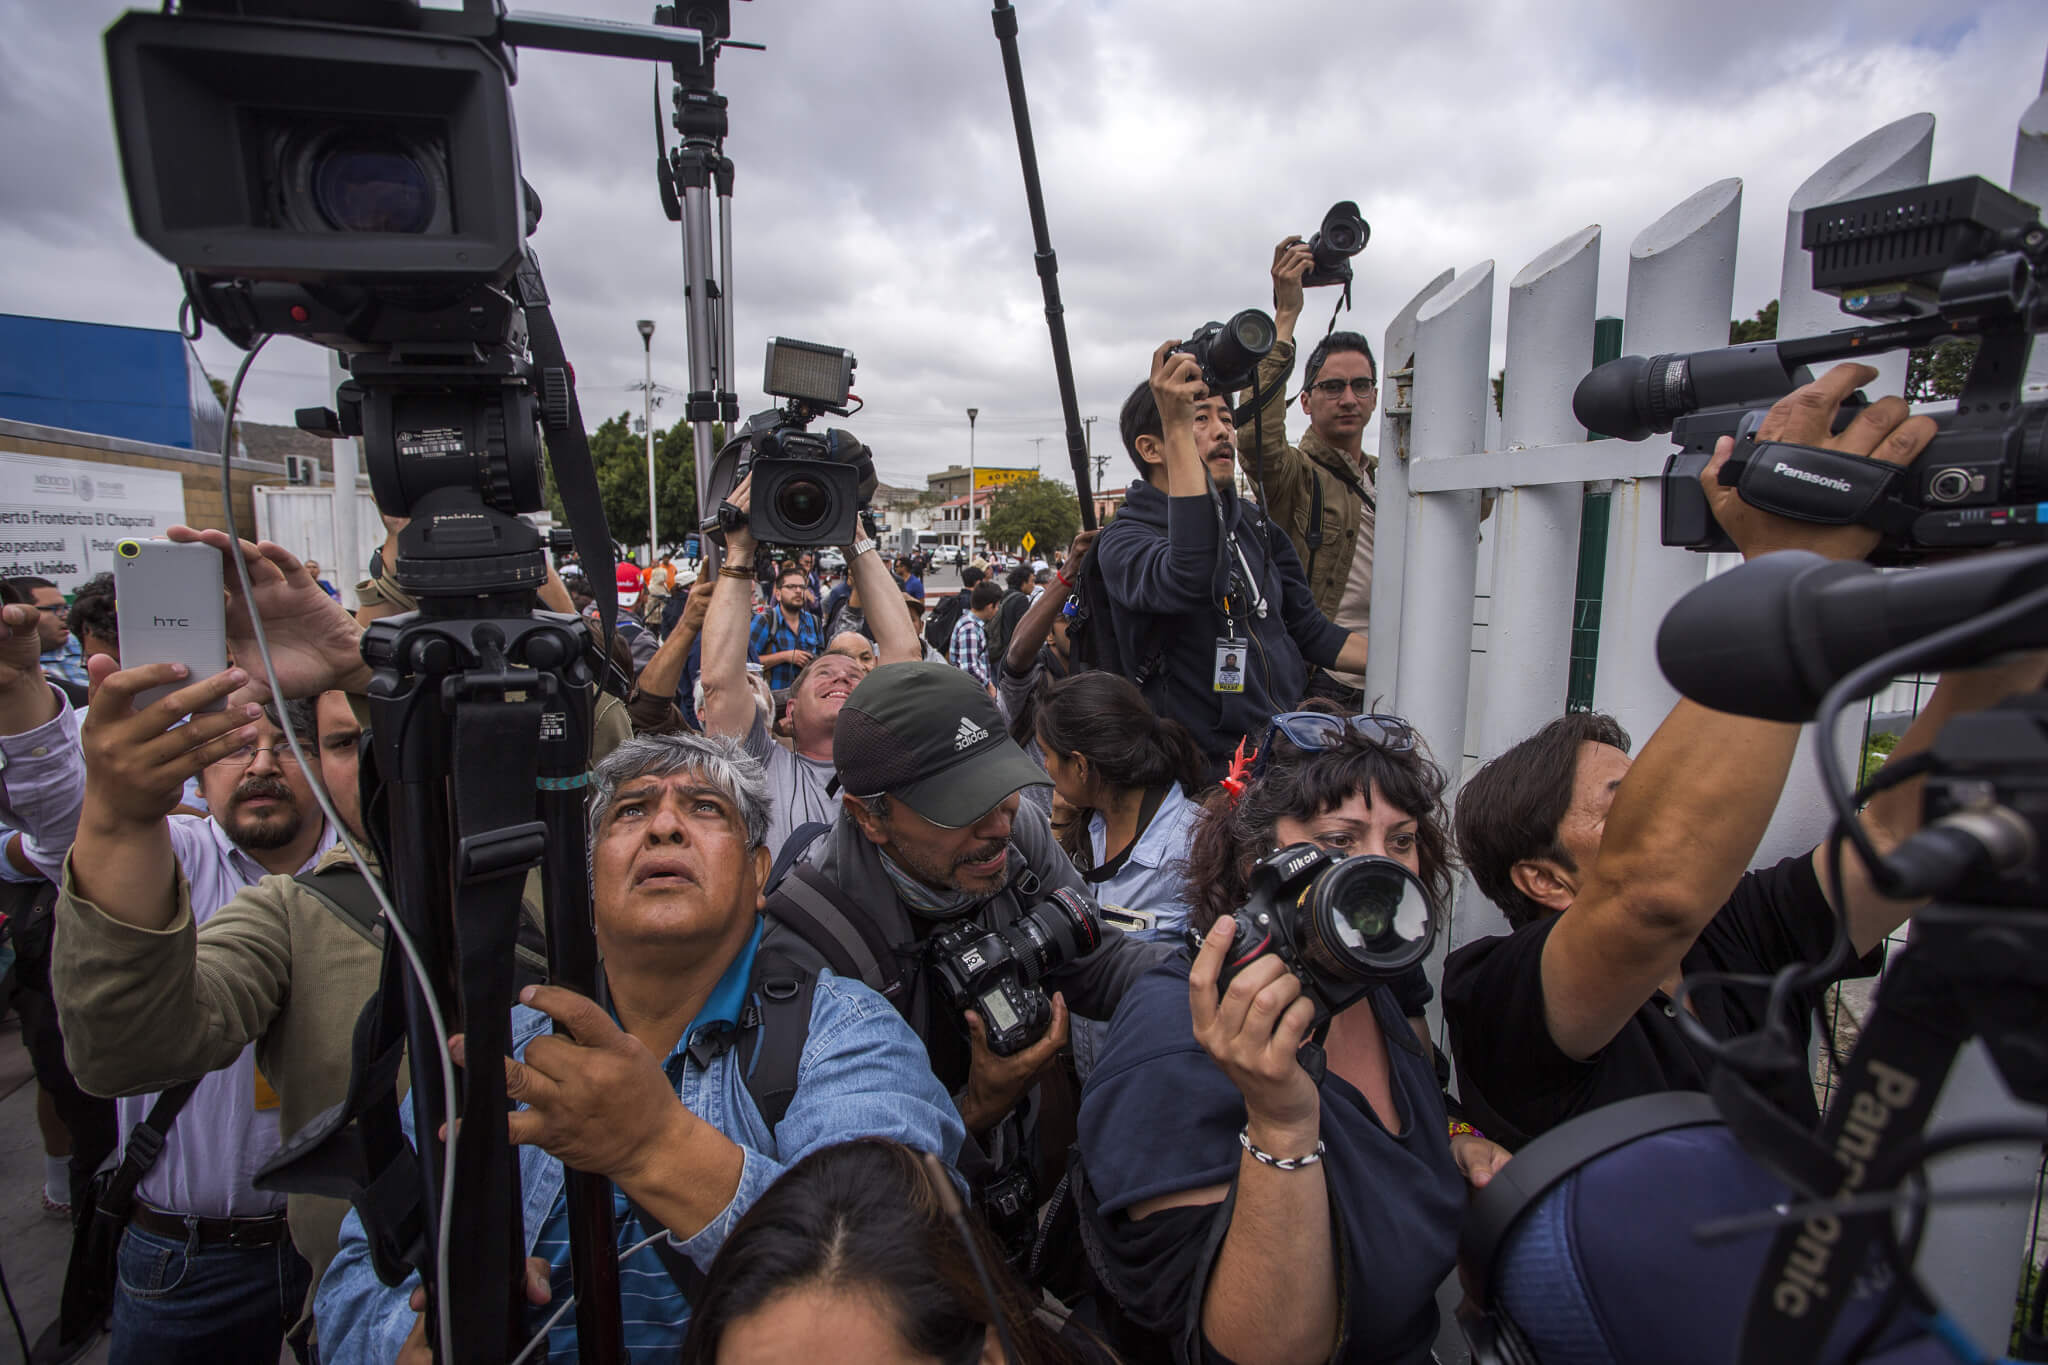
column 1229, row 352
column 808, row 490
column 1950, row 260
column 1343, row 235
column 1340, row 924
column 995, row 972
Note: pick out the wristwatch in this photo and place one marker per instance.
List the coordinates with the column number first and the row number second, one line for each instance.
column 862, row 546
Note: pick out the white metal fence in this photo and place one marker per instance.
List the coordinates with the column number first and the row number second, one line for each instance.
column 302, row 520
column 1473, row 623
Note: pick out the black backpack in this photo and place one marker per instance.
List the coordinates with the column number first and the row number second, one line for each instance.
column 938, row 631
column 1091, row 632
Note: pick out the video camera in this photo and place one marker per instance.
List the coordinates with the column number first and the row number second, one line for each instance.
column 1343, row 235
column 1229, row 352
column 1340, row 924
column 808, row 490
column 1956, row 259
column 995, row 972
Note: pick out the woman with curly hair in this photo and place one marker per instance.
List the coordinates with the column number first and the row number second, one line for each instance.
column 1245, row 1207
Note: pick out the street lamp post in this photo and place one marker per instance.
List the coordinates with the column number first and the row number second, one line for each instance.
column 647, row 419
column 972, row 413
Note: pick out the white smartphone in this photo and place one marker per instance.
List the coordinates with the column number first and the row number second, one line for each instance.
column 172, row 610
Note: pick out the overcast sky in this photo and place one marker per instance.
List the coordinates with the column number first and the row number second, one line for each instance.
column 879, row 204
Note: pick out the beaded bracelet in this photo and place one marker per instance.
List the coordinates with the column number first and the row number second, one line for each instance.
column 1460, row 1128
column 1278, row 1163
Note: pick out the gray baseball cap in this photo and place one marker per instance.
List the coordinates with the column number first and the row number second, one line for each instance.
column 928, row 736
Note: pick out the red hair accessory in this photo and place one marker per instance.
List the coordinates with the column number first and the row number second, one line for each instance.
column 1239, row 776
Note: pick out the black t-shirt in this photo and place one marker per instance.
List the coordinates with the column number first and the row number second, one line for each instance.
column 1519, row 1084
column 1158, row 1117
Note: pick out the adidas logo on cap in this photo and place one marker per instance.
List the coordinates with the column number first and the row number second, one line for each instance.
column 967, row 735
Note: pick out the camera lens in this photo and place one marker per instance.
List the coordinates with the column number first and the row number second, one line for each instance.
column 802, row 503
column 1058, row 929
column 1368, row 917
column 1253, row 331
column 373, row 185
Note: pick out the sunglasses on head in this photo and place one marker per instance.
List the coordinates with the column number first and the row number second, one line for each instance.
column 1314, row 731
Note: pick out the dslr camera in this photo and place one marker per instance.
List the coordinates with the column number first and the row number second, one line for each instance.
column 1229, row 352
column 808, row 490
column 995, row 972
column 1938, row 261
column 1343, row 235
column 1341, row 924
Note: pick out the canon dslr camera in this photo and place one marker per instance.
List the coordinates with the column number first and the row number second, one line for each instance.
column 808, row 489
column 1340, row 924
column 995, row 972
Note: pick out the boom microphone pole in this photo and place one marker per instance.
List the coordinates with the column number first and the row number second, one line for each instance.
column 1048, row 263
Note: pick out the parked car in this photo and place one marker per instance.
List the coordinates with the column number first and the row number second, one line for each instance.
column 831, row 559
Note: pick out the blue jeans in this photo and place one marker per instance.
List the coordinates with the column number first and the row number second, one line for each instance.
column 178, row 1303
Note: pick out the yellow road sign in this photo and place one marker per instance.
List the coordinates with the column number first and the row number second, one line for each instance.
column 1027, row 540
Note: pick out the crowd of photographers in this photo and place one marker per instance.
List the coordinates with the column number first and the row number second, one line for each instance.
column 957, row 998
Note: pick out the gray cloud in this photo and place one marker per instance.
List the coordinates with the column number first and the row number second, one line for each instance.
column 879, row 204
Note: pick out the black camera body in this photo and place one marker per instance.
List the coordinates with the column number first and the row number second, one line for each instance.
column 1343, row 235
column 996, row 972
column 808, row 490
column 1949, row 260
column 1229, row 352
column 1341, row 924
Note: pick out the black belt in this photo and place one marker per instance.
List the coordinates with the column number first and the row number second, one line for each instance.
column 230, row 1232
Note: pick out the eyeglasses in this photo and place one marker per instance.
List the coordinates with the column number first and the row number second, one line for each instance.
column 1315, row 731
column 56, row 608
column 1334, row 388
column 244, row 756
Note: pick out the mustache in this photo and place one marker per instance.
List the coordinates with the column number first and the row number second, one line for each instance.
column 987, row 851
column 257, row 787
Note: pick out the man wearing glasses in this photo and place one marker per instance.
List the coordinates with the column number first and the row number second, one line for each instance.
column 63, row 656
column 1320, row 492
column 208, row 1270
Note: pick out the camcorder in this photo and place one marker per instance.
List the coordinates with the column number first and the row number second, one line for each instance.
column 1957, row 259
column 346, row 172
column 808, row 490
column 1229, row 352
column 1343, row 235
column 996, row 972
column 1341, row 924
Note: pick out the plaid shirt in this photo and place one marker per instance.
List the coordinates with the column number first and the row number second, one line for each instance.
column 772, row 634
column 968, row 649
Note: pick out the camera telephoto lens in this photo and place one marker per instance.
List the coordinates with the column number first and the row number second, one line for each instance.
column 371, row 185
column 802, row 503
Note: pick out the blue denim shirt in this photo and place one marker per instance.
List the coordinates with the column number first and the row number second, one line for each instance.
column 863, row 1074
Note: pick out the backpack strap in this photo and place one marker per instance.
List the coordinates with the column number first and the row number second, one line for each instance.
column 815, row 910
column 1315, row 524
column 774, row 1026
column 345, row 892
column 794, row 847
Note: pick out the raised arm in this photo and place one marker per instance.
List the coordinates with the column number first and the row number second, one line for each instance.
column 1036, row 622
column 728, row 707
column 1687, row 819
column 881, row 598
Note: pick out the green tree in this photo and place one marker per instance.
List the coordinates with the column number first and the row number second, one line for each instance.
column 1044, row 507
column 1938, row 369
column 620, row 456
column 1762, row 327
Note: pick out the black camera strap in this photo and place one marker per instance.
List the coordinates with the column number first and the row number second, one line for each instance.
column 569, row 448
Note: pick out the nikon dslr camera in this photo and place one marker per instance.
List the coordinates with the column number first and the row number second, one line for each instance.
column 1340, row 924
column 995, row 972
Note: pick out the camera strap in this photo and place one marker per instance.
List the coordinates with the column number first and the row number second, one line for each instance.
column 1814, row 484
column 568, row 447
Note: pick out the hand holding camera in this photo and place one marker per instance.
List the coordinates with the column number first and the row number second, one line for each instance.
column 996, row 1082
column 1292, row 260
column 1254, row 1030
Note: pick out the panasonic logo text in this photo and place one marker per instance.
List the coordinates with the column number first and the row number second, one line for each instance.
column 1817, row 480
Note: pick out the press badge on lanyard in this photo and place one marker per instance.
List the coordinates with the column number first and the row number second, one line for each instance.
column 1230, row 657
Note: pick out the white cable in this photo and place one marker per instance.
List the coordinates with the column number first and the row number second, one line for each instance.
column 570, row 1302
column 445, row 1223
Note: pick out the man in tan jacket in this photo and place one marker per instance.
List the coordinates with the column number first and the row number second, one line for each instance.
column 1321, row 491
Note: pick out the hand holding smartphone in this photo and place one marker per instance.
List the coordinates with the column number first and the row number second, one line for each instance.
column 172, row 609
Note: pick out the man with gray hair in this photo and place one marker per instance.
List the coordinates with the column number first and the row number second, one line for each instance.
column 664, row 1093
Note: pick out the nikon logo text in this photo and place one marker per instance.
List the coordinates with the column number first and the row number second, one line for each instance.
column 1871, row 1110
column 1817, row 480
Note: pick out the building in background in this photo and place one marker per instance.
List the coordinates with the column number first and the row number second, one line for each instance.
column 130, row 383
column 952, row 482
